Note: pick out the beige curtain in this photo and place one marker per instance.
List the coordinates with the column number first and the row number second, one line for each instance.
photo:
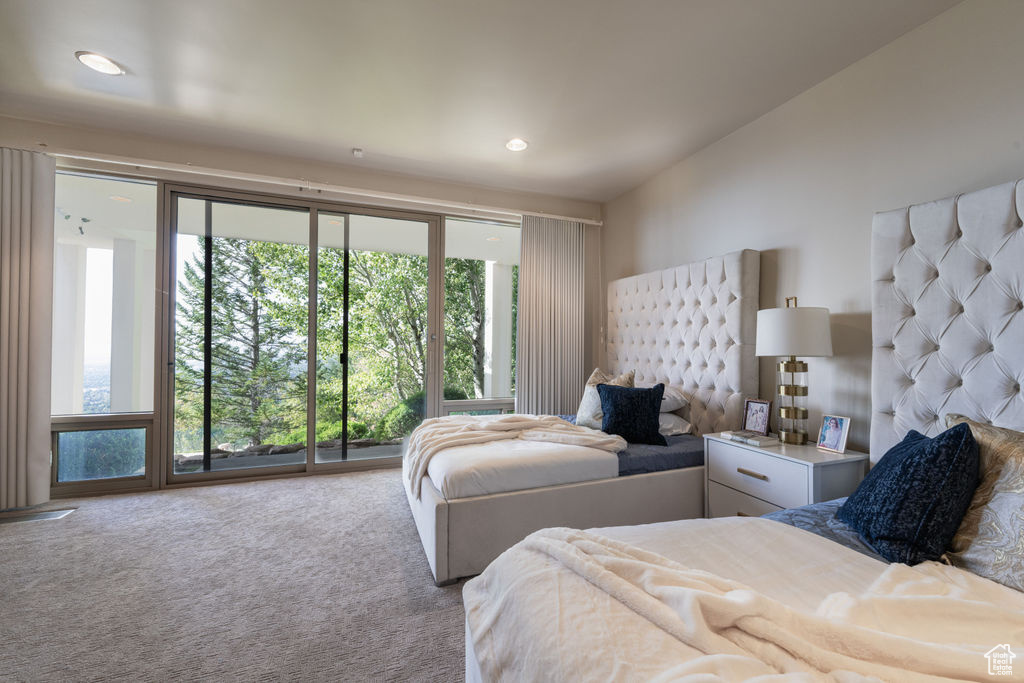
column 26, row 289
column 549, row 340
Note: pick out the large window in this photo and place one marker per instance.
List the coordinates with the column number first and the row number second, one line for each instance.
column 481, row 285
column 292, row 335
column 103, row 297
column 105, row 239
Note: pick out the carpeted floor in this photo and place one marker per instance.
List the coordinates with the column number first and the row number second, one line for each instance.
column 315, row 578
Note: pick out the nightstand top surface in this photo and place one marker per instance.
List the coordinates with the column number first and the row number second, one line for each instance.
column 807, row 453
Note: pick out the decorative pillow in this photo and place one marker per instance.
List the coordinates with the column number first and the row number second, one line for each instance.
column 675, row 398
column 589, row 412
column 911, row 503
column 990, row 540
column 672, row 425
column 632, row 413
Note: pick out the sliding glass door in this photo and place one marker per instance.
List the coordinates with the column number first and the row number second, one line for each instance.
column 302, row 335
column 241, row 336
column 372, row 334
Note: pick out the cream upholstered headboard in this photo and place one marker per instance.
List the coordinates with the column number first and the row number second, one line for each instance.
column 947, row 314
column 692, row 326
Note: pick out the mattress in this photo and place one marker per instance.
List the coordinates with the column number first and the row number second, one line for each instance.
column 514, row 465
column 820, row 519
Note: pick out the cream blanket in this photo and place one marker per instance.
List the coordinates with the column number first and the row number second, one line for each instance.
column 633, row 614
column 439, row 433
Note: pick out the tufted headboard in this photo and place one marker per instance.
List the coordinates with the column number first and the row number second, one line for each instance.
column 692, row 326
column 947, row 314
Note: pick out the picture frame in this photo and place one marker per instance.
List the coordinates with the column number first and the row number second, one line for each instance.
column 833, row 433
column 757, row 416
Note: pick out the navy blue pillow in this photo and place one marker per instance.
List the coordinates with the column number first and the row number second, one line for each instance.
column 632, row 413
column 911, row 504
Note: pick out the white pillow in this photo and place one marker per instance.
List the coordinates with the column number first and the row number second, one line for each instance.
column 589, row 413
column 673, row 425
column 674, row 398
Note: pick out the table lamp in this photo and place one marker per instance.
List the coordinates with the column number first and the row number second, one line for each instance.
column 793, row 331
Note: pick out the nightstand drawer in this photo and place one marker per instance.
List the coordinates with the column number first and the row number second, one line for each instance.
column 725, row 502
column 778, row 481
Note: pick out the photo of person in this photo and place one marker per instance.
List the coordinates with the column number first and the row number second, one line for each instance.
column 756, row 416
column 833, row 433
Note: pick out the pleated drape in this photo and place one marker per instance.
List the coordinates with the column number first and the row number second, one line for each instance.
column 26, row 291
column 550, row 335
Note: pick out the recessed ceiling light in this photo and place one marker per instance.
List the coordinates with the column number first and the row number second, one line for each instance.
column 119, row 198
column 96, row 62
column 516, row 145
column 493, row 239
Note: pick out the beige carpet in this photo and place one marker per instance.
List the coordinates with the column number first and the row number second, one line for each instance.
column 316, row 578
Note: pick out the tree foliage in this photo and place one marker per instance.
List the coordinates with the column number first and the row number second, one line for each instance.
column 260, row 325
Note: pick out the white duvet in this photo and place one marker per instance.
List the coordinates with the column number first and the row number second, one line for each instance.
column 573, row 605
column 438, row 435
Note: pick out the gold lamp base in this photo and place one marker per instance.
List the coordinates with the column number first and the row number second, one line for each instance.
column 793, row 437
column 792, row 415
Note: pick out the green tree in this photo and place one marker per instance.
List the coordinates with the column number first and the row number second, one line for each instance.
column 256, row 351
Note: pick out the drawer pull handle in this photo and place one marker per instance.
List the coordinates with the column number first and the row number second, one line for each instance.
column 751, row 473
column 742, row 514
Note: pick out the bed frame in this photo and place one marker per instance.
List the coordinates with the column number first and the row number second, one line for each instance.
column 947, row 314
column 694, row 326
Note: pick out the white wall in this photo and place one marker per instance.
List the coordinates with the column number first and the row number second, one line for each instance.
column 937, row 112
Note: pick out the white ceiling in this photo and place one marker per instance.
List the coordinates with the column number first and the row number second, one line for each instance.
column 607, row 92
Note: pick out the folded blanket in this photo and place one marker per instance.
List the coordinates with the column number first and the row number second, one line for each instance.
column 913, row 624
column 439, row 433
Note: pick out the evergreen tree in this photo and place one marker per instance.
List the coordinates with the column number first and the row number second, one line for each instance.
column 255, row 353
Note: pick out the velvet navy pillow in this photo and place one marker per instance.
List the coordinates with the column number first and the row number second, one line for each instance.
column 632, row 413
column 911, row 504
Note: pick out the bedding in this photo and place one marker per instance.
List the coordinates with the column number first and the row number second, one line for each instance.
column 681, row 598
column 683, row 450
column 515, row 465
column 820, row 519
column 435, row 435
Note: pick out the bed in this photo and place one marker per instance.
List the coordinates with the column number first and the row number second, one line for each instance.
column 691, row 326
column 737, row 598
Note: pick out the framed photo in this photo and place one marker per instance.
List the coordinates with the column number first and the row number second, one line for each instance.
column 834, row 430
column 756, row 416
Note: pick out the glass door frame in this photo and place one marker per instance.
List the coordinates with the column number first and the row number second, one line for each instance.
column 169, row 193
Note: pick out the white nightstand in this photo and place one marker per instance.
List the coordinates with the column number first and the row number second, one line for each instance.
column 749, row 481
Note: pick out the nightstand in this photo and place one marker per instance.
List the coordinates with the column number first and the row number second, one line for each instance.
column 749, row 481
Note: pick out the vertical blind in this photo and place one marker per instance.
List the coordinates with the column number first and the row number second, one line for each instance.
column 549, row 354
column 26, row 289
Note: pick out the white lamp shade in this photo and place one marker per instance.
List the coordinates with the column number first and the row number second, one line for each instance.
column 803, row 331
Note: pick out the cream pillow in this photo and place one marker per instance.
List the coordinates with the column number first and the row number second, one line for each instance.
column 670, row 424
column 673, row 399
column 589, row 413
column 990, row 540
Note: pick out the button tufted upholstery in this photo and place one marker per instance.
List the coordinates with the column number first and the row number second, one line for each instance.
column 692, row 326
column 947, row 325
